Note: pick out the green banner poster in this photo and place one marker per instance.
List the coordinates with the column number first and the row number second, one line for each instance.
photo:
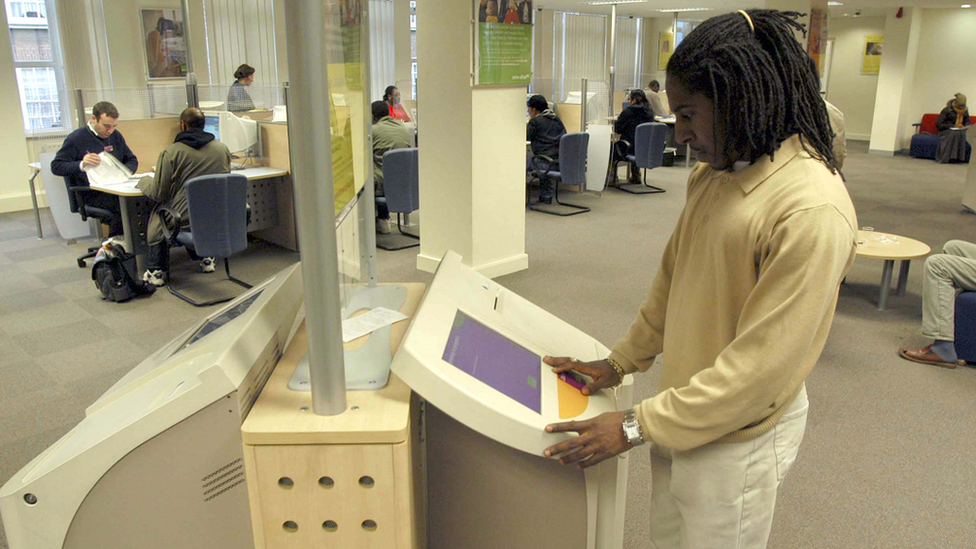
column 503, row 49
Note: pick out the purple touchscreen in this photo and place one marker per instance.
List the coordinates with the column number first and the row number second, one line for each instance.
column 495, row 360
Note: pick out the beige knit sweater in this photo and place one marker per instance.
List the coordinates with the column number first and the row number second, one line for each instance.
column 743, row 300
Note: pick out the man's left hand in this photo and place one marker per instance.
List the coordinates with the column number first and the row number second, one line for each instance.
column 599, row 438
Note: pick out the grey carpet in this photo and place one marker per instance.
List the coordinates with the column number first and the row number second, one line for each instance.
column 885, row 459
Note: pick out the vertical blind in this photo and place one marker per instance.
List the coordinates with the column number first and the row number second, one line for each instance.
column 240, row 31
column 382, row 52
column 580, row 51
column 628, row 53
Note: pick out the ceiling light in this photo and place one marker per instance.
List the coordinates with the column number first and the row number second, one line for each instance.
column 835, row 3
column 608, row 2
column 966, row 6
column 672, row 10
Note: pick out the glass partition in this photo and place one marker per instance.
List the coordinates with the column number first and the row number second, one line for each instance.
column 263, row 97
column 153, row 101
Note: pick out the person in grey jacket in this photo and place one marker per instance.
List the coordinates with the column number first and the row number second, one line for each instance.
column 194, row 153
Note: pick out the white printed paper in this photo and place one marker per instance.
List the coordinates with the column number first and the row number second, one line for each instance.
column 108, row 172
column 369, row 322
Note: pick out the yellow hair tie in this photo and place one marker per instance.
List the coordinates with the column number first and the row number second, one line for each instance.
column 748, row 19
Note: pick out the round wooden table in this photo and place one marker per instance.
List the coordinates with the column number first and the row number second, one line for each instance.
column 890, row 248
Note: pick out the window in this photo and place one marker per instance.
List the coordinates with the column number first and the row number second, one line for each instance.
column 413, row 50
column 33, row 39
column 682, row 28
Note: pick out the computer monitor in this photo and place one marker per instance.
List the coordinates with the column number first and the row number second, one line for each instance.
column 212, row 125
column 239, row 134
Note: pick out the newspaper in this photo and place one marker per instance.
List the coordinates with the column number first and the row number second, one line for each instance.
column 108, row 172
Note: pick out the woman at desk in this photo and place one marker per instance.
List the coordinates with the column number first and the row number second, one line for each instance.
column 638, row 112
column 392, row 97
column 952, row 124
column 238, row 99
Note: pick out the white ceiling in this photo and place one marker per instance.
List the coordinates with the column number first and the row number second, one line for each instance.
column 650, row 8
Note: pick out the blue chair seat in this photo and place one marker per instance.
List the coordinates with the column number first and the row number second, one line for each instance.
column 631, row 158
column 965, row 326
column 555, row 175
column 926, row 145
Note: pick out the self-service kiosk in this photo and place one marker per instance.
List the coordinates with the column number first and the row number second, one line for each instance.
column 157, row 462
column 474, row 353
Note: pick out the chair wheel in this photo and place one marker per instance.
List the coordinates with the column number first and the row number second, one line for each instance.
column 81, row 264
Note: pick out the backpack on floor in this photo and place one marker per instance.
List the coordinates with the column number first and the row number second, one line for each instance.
column 112, row 270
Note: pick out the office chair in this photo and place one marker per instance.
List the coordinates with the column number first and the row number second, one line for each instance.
column 648, row 154
column 571, row 170
column 217, row 206
column 401, row 185
column 77, row 204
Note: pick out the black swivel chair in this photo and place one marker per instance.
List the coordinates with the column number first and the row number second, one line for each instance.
column 219, row 227
column 77, row 203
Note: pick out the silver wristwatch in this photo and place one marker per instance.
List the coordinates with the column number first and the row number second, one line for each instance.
column 632, row 429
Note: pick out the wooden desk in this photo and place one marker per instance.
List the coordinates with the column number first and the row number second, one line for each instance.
column 890, row 248
column 135, row 208
column 375, row 437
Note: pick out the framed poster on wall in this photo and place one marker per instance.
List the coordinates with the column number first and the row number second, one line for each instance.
column 665, row 49
column 871, row 56
column 503, row 42
column 164, row 39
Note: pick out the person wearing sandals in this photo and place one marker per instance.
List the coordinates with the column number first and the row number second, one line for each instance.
column 946, row 273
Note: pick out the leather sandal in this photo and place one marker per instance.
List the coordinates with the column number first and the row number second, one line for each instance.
column 926, row 355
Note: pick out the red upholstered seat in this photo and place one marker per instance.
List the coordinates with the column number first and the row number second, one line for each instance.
column 928, row 124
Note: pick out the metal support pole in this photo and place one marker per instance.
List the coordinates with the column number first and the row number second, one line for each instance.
column 613, row 51
column 80, row 108
column 186, row 38
column 584, row 86
column 311, row 169
column 192, row 95
column 367, row 204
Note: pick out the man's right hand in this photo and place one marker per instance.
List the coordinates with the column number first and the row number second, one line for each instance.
column 91, row 159
column 603, row 374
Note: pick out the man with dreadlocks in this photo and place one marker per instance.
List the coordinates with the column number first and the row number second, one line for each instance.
column 743, row 300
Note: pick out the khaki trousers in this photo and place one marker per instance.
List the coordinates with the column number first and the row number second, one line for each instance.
column 946, row 273
column 722, row 495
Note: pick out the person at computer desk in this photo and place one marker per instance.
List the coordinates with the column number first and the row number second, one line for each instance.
column 952, row 135
column 543, row 133
column 194, row 153
column 638, row 112
column 652, row 91
column 392, row 98
column 238, row 99
column 81, row 148
column 388, row 134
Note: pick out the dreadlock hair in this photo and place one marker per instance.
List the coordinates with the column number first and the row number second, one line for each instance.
column 763, row 85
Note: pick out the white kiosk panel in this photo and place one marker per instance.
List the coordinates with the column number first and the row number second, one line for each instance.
column 474, row 351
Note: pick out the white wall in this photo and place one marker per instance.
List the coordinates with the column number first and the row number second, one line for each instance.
column 849, row 90
column 945, row 61
column 14, row 194
column 653, row 27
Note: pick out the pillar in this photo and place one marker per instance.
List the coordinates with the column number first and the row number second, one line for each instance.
column 892, row 125
column 472, row 150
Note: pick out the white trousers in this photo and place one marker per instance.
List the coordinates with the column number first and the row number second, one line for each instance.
column 722, row 496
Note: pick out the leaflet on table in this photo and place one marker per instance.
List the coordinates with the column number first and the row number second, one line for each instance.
column 375, row 319
column 108, row 172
